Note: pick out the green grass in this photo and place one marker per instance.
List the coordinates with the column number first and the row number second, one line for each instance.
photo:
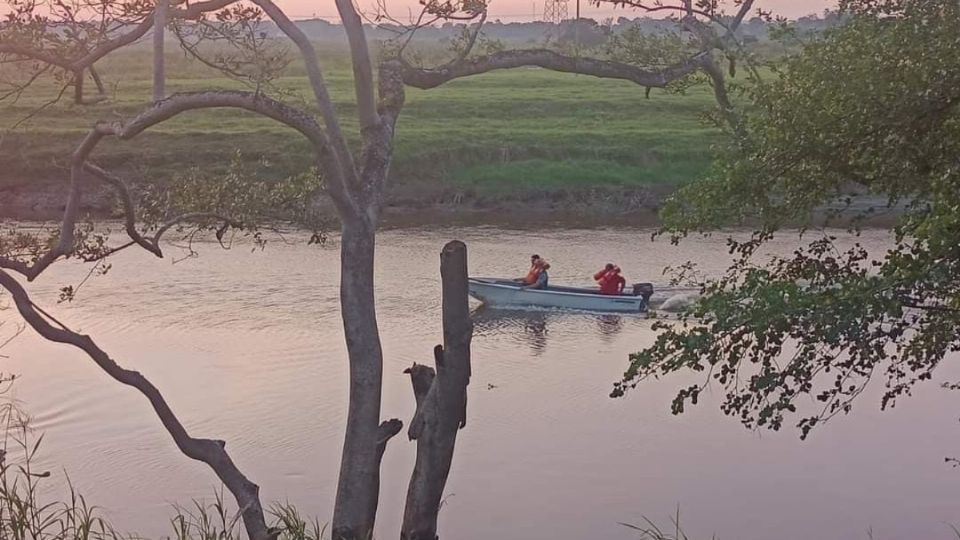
column 540, row 174
column 500, row 132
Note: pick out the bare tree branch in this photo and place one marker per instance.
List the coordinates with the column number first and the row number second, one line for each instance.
column 430, row 78
column 42, row 107
column 150, row 244
column 88, row 58
column 362, row 66
column 211, row 452
column 192, row 11
column 130, row 216
column 468, row 48
column 727, row 110
column 689, row 10
column 356, row 186
column 192, row 217
column 20, row 50
column 343, row 172
column 157, row 113
column 251, row 101
column 745, row 8
column 18, row 89
column 97, row 81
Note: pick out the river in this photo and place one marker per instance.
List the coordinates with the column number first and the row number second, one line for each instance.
column 247, row 346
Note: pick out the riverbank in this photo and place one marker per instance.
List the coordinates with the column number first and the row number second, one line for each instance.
column 44, row 201
column 407, row 208
column 528, row 139
column 525, row 146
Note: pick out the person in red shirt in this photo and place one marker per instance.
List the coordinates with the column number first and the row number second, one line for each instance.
column 610, row 280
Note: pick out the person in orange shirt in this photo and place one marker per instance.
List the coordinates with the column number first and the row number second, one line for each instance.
column 536, row 268
column 543, row 280
column 610, row 280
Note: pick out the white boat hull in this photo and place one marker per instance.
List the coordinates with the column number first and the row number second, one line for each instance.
column 506, row 293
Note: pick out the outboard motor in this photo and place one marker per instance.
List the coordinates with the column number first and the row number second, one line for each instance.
column 644, row 290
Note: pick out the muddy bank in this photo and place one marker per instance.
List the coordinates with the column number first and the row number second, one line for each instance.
column 415, row 207
column 41, row 201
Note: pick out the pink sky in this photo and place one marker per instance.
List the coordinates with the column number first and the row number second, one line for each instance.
column 522, row 10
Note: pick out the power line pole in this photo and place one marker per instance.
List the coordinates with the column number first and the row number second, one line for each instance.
column 555, row 11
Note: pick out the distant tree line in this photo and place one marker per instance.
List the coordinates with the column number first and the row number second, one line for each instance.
column 589, row 32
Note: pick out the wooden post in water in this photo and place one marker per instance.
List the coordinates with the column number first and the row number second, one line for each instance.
column 441, row 396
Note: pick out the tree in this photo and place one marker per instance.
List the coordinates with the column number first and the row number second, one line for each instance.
column 354, row 181
column 64, row 39
column 870, row 106
column 581, row 34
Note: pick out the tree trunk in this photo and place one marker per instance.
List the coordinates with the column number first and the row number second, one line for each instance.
column 441, row 401
column 358, row 489
column 159, row 26
column 97, row 81
column 78, row 87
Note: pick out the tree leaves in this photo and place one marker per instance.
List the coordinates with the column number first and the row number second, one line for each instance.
column 245, row 193
column 874, row 103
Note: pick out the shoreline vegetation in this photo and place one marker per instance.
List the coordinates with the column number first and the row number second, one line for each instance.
column 527, row 140
column 523, row 145
column 518, row 147
column 526, row 146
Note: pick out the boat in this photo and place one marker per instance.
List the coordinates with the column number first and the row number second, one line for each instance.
column 497, row 292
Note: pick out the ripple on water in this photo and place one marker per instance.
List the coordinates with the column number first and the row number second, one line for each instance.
column 248, row 347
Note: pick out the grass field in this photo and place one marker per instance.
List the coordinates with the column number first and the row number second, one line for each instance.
column 520, row 130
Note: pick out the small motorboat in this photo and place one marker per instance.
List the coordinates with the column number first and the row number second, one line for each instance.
column 496, row 292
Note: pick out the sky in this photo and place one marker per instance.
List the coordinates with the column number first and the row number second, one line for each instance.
column 523, row 10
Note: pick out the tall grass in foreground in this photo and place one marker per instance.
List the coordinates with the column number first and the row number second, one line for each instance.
column 31, row 510
column 203, row 520
column 24, row 515
column 27, row 512
column 651, row 531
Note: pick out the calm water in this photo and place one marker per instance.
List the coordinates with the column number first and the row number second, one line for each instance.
column 247, row 346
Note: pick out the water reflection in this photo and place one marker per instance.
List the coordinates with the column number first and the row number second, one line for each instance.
column 609, row 326
column 532, row 327
column 535, row 329
column 528, row 327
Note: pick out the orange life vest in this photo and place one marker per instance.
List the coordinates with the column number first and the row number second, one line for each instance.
column 611, row 282
column 533, row 274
